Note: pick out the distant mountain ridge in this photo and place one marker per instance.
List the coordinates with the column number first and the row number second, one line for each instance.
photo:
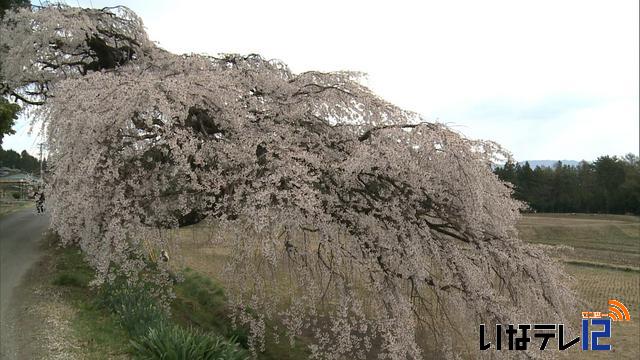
column 548, row 163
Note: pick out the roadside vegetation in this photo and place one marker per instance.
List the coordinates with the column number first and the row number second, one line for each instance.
column 94, row 332
column 121, row 322
column 124, row 321
column 12, row 205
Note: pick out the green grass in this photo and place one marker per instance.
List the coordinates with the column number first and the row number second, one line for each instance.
column 119, row 320
column 67, row 279
column 96, row 329
column 201, row 303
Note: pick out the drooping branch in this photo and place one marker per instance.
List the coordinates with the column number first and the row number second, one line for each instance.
column 26, row 100
column 370, row 132
column 67, row 42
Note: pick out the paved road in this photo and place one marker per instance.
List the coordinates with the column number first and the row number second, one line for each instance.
column 19, row 235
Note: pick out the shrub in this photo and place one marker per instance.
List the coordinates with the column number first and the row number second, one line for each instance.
column 171, row 342
column 15, row 195
column 137, row 310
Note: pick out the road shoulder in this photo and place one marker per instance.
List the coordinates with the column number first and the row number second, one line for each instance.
column 38, row 320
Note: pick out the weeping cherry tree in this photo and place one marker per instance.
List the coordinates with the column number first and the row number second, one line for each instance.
column 385, row 228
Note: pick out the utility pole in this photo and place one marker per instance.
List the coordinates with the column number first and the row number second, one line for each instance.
column 41, row 175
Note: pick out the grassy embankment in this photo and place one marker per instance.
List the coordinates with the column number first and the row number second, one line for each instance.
column 120, row 321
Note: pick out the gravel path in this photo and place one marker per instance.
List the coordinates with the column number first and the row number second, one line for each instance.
column 20, row 234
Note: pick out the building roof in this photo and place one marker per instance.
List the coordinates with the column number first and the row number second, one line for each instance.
column 19, row 178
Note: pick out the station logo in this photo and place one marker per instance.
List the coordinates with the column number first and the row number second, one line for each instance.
column 595, row 329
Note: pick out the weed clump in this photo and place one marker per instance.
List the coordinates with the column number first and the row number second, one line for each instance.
column 175, row 342
column 137, row 311
column 152, row 332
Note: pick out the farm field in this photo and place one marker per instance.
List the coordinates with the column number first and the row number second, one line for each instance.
column 606, row 239
column 604, row 263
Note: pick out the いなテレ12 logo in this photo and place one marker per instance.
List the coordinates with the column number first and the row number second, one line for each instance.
column 595, row 329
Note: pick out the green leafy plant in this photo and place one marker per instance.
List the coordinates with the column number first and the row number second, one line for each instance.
column 172, row 342
column 137, row 310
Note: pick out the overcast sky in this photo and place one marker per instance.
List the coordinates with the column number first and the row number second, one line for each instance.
column 546, row 79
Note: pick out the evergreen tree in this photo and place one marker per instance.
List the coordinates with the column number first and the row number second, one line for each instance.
column 608, row 185
column 22, row 161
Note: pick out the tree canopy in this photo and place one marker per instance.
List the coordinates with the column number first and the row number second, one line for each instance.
column 610, row 184
column 22, row 161
column 8, row 116
column 6, row 5
column 386, row 219
column 8, row 111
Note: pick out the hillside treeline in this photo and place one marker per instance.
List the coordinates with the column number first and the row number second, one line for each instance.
column 609, row 184
column 22, row 161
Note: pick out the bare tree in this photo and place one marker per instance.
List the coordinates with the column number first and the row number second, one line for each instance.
column 383, row 224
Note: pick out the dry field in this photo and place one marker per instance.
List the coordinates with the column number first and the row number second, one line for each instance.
column 605, row 263
column 606, row 239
